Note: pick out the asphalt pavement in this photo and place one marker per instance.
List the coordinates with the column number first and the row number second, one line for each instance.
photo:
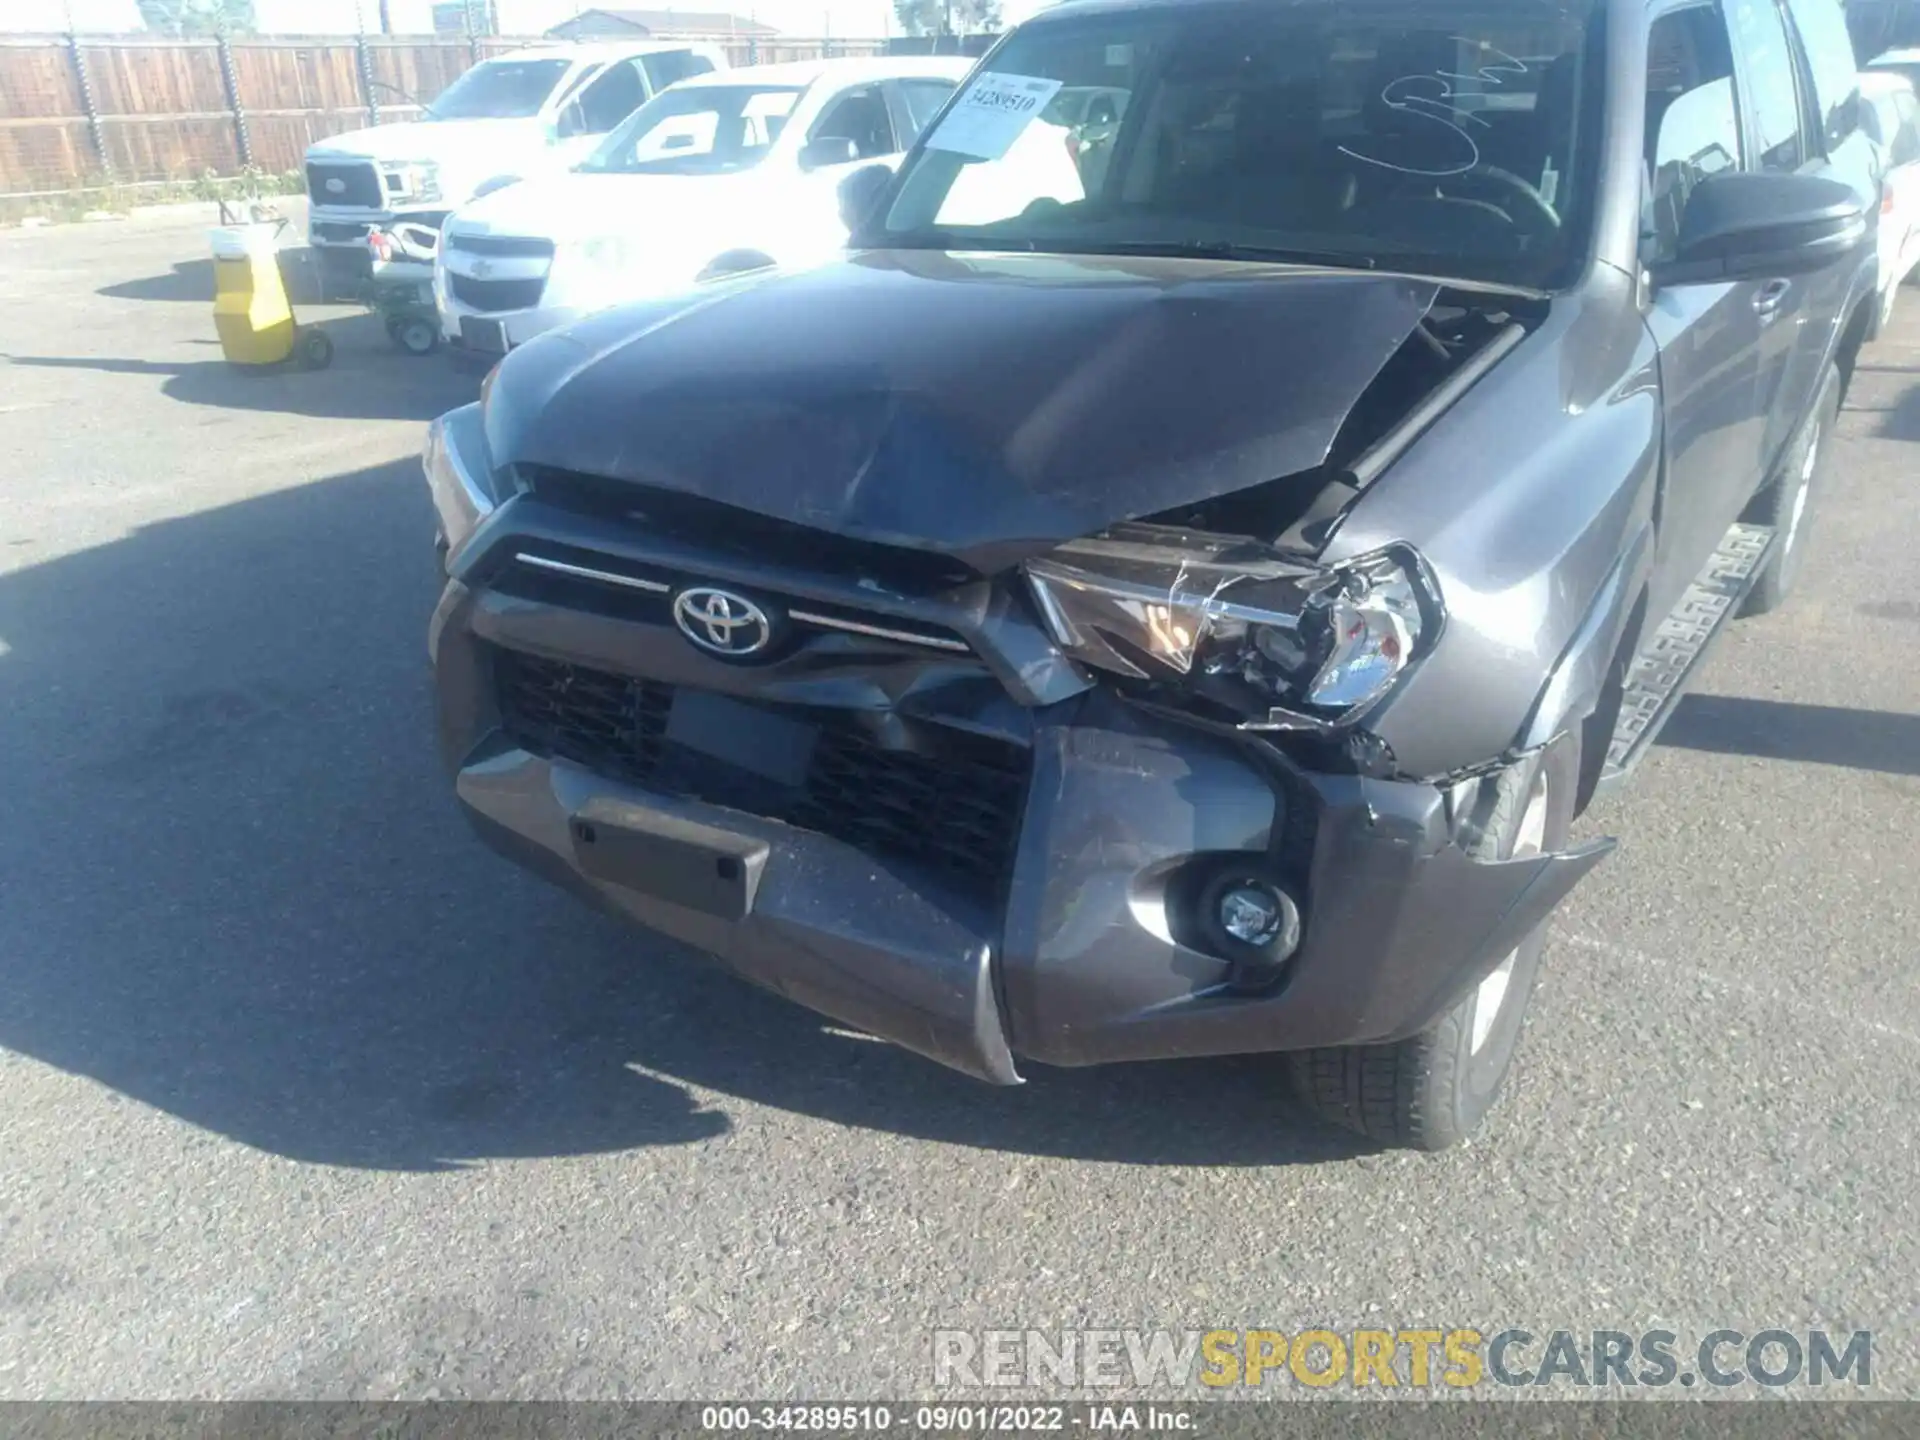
column 304, row 1093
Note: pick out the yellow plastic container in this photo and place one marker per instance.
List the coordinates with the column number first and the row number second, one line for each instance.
column 251, row 311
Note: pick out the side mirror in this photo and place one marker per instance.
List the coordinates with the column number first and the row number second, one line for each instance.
column 573, row 121
column 860, row 193
column 1757, row 225
column 828, row 150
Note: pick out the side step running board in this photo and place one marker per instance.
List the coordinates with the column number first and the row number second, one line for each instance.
column 1660, row 672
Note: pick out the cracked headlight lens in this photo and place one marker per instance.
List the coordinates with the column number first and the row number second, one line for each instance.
column 1277, row 640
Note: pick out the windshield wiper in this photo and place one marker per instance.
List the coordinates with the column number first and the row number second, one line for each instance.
column 1227, row 250
column 937, row 239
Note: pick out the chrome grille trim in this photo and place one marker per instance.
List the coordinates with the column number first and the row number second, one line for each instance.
column 582, row 572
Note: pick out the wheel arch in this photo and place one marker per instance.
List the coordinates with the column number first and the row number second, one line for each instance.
column 1585, row 685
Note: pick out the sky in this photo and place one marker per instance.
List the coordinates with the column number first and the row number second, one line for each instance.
column 852, row 18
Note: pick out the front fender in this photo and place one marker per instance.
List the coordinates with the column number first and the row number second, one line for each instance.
column 1524, row 498
column 1579, row 677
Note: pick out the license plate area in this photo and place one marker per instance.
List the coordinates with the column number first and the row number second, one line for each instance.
column 680, row 861
column 487, row 335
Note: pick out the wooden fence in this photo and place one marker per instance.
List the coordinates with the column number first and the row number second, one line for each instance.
column 76, row 112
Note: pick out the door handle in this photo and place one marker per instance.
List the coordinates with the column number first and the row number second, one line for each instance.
column 1768, row 299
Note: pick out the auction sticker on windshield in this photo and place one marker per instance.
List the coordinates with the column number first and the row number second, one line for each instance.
column 985, row 121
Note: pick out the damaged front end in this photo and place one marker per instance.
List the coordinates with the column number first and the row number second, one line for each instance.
column 1004, row 792
column 1396, row 899
column 1235, row 630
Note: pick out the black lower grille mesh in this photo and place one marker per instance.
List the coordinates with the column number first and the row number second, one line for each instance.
column 496, row 294
column 954, row 811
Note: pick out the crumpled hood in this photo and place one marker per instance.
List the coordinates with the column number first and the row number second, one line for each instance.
column 986, row 407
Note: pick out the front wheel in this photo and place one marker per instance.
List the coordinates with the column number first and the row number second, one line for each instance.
column 1432, row 1090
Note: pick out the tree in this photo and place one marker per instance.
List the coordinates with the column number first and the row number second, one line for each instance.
column 183, row 19
column 947, row 17
column 918, row 17
column 973, row 17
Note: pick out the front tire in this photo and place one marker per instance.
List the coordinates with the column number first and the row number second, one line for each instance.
column 1432, row 1090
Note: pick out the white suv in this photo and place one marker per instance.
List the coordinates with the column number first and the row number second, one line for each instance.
column 542, row 107
column 723, row 172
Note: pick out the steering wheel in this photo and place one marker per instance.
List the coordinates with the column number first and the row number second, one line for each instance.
column 1533, row 216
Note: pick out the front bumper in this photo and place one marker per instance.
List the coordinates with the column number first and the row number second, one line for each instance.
column 1081, row 960
column 518, row 326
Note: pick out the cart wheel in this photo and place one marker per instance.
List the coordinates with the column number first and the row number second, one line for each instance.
column 313, row 349
column 417, row 337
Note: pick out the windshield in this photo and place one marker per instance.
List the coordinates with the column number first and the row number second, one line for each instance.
column 500, row 90
column 697, row 130
column 1446, row 139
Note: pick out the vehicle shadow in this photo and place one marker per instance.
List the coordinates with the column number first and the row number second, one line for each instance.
column 188, row 280
column 370, row 379
column 236, row 889
column 1780, row 730
column 191, row 281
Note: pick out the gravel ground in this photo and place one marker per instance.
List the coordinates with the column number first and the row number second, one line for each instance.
column 308, row 1095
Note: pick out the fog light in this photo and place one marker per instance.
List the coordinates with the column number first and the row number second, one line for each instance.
column 1253, row 913
column 1252, row 923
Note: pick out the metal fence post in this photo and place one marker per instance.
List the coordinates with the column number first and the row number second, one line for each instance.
column 87, row 105
column 230, row 79
column 363, row 62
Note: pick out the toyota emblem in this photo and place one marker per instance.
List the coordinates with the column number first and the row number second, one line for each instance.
column 722, row 622
column 336, row 186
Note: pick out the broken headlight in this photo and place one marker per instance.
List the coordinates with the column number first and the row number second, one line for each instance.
column 1278, row 641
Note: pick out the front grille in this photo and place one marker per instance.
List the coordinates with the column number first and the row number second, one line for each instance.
column 732, row 530
column 513, row 247
column 495, row 294
column 581, row 580
column 359, row 184
column 951, row 808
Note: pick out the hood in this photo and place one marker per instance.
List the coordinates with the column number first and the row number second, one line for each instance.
column 985, row 407
column 469, row 142
column 576, row 206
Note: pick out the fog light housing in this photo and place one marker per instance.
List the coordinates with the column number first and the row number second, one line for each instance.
column 1252, row 922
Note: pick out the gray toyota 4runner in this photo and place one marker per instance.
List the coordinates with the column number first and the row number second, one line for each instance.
column 1178, row 607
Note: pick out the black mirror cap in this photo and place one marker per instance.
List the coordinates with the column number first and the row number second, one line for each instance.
column 860, row 193
column 1751, row 225
column 828, row 150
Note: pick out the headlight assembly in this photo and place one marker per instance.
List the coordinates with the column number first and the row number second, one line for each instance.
column 1277, row 642
column 605, row 252
column 414, row 180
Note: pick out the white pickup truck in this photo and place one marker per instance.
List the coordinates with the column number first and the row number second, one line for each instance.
column 517, row 114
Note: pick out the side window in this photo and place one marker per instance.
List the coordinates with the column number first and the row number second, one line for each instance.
column 668, row 66
column 611, row 98
column 860, row 116
column 924, row 99
column 1693, row 127
column 1773, row 92
column 1836, row 85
